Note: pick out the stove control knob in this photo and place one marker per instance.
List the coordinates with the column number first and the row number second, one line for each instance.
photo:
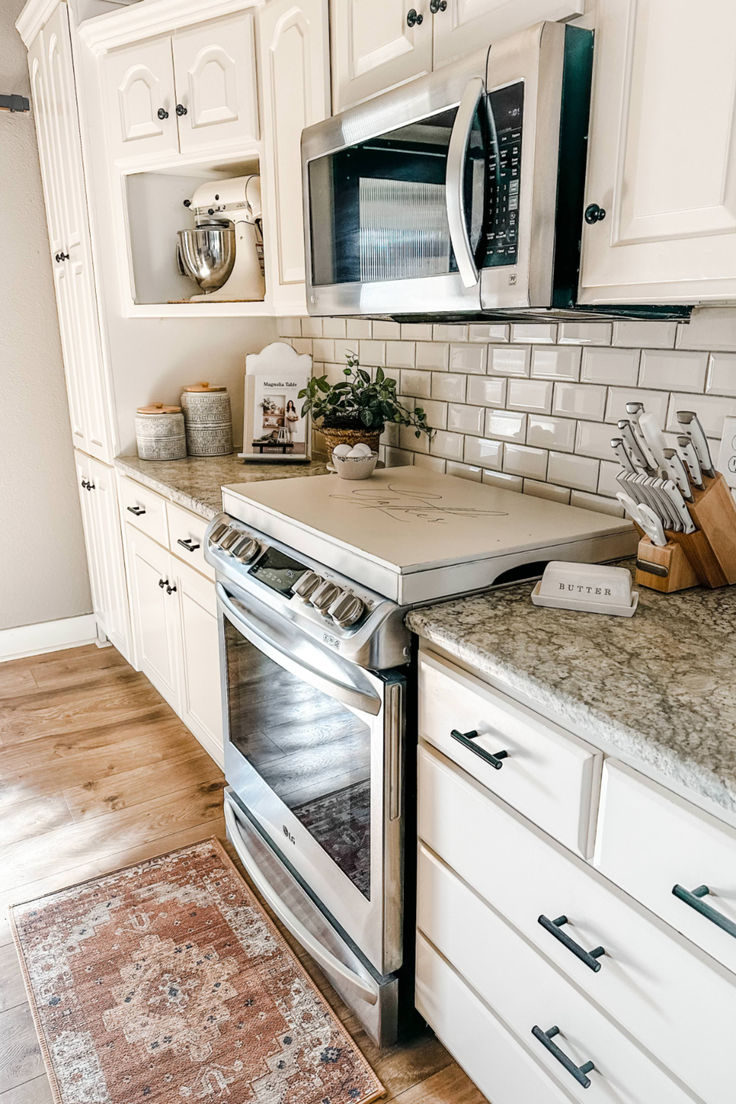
column 325, row 595
column 346, row 610
column 218, row 532
column 306, row 585
column 227, row 542
column 246, row 550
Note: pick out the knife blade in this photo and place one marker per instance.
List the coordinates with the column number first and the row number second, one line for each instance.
column 676, row 472
column 690, row 456
column 637, row 456
column 618, row 446
column 690, row 422
column 644, row 517
column 672, row 492
column 667, row 508
column 654, row 437
column 652, row 496
column 635, row 411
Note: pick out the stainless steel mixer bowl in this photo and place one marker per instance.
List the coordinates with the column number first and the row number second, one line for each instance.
column 207, row 254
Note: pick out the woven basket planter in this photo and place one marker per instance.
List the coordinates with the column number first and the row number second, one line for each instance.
column 335, row 437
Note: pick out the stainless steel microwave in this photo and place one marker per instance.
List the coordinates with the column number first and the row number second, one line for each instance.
column 459, row 194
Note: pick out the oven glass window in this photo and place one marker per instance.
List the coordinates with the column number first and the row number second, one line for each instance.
column 311, row 750
column 378, row 208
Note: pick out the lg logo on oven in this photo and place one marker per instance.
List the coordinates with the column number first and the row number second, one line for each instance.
column 332, row 641
column 288, row 834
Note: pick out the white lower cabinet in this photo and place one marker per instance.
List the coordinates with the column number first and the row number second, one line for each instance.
column 174, row 617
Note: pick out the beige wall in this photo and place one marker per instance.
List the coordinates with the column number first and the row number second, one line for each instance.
column 43, row 570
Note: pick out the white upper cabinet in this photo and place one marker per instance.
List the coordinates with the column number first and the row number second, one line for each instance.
column 141, row 101
column 215, row 81
column 182, row 93
column 662, row 156
column 57, row 126
column 377, row 44
column 463, row 26
column 295, row 90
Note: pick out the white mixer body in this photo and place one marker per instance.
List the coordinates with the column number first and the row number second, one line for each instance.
column 239, row 201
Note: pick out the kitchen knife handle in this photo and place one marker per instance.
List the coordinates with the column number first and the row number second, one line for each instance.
column 689, row 420
column 466, row 739
column 554, row 927
column 693, row 898
column 578, row 1072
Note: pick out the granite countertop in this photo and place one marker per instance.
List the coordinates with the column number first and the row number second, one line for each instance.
column 196, row 482
column 658, row 687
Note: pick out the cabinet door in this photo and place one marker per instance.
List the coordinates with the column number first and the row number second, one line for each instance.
column 200, row 701
column 91, row 541
column 376, row 46
column 140, row 99
column 154, row 609
column 468, row 25
column 216, row 91
column 106, row 555
column 294, row 68
column 661, row 154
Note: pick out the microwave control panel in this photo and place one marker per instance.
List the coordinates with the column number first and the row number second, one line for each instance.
column 504, row 176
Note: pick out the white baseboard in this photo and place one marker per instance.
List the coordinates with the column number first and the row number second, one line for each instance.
column 47, row 636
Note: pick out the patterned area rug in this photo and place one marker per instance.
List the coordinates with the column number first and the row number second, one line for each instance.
column 167, row 982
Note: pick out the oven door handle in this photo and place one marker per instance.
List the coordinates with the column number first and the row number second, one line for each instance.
column 259, row 637
column 319, row 953
column 454, row 181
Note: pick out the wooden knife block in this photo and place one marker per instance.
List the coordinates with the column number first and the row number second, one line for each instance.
column 707, row 556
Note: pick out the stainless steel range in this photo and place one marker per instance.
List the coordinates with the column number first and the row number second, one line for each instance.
column 314, row 577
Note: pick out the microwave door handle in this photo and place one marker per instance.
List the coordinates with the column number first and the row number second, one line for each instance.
column 454, row 179
column 273, row 649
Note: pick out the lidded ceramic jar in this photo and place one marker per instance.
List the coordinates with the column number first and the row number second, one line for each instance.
column 159, row 432
column 208, row 420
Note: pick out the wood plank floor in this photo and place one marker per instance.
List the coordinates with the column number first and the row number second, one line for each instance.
column 97, row 772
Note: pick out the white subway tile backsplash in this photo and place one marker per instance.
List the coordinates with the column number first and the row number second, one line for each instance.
column 468, row 358
column 551, row 433
column 504, row 481
column 311, row 327
column 432, row 354
column 333, row 327
column 546, row 490
column 372, row 353
column 414, row 382
column 324, row 350
column 448, row 445
column 416, row 331
column 573, row 471
column 508, row 361
column 357, row 328
column 531, row 395
column 649, row 335
column 607, row 482
column 506, row 425
column 454, row 332
column 524, row 461
column 710, row 328
column 584, row 333
column 385, row 329
column 654, row 403
column 482, row 332
column 400, row 354
column 594, row 439
column 302, row 345
column 619, row 367
column 486, row 391
column 407, row 440
column 711, row 411
column 398, row 458
column 464, row 471
column 721, row 375
column 673, row 371
column 483, row 453
column 575, row 400
column 431, row 463
column 534, row 333
column 288, row 327
column 555, row 363
column 436, row 413
column 465, row 419
column 449, row 386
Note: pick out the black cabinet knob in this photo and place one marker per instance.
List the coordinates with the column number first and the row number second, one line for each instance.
column 162, row 583
column 437, row 6
column 171, row 589
column 180, row 110
column 162, row 113
column 414, row 18
column 594, row 213
column 85, row 484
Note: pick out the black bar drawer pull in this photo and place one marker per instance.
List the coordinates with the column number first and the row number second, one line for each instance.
column 578, row 1072
column 693, row 898
column 466, row 739
column 554, row 927
column 189, row 544
column 137, row 510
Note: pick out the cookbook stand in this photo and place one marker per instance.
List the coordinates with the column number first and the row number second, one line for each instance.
column 706, row 557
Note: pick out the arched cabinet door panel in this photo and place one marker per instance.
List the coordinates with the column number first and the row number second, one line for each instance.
column 215, row 80
column 141, row 105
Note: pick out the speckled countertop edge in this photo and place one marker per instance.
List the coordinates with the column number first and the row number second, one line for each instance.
column 658, row 688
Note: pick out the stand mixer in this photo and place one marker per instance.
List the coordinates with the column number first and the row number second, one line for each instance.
column 224, row 251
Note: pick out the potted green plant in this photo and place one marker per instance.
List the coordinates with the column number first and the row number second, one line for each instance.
column 357, row 408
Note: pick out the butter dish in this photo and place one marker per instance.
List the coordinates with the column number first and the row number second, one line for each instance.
column 588, row 588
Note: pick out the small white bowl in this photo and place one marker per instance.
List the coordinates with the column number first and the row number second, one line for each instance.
column 355, row 467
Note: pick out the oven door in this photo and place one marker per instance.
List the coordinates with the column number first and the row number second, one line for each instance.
column 313, row 749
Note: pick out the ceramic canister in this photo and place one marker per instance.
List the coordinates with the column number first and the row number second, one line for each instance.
column 159, row 432
column 208, row 420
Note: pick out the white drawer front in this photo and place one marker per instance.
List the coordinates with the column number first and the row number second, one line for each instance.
column 492, row 1057
column 650, row 840
column 186, row 538
column 527, row 992
column 668, row 995
column 144, row 509
column 551, row 776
